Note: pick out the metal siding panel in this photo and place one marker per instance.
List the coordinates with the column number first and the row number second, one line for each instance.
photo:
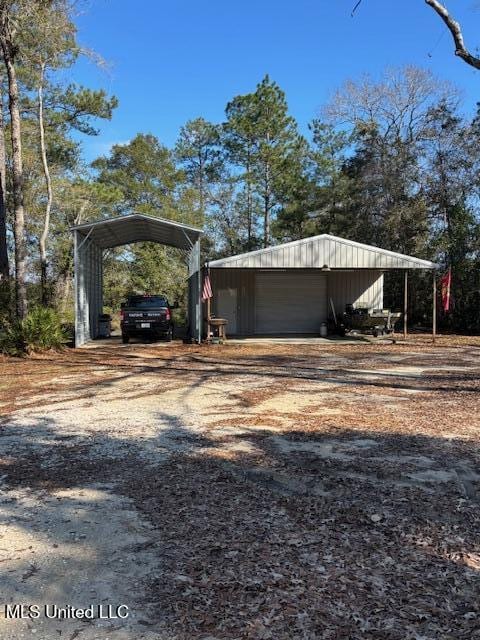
column 317, row 251
column 83, row 300
column 330, row 261
column 329, row 254
column 337, row 250
column 362, row 287
column 316, row 254
column 240, row 280
column 227, row 307
column 319, row 254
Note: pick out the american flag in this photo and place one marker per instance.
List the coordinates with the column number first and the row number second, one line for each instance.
column 207, row 288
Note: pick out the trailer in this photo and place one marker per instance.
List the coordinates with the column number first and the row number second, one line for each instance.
column 377, row 322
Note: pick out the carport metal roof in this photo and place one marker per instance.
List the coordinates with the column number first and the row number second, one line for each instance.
column 137, row 227
column 323, row 251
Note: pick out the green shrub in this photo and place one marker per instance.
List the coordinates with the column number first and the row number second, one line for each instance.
column 39, row 331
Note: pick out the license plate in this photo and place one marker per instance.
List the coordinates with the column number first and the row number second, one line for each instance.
column 145, row 325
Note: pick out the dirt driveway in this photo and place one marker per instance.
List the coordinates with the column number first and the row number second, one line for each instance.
column 273, row 491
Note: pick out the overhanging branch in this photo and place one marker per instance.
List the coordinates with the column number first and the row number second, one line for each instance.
column 453, row 26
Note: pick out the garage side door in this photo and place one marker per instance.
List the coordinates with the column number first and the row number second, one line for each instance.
column 290, row 302
column 227, row 308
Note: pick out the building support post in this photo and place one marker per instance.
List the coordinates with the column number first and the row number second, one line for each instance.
column 405, row 304
column 434, row 311
column 199, row 307
column 209, row 310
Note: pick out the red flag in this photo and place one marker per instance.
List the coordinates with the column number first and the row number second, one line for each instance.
column 207, row 288
column 445, row 288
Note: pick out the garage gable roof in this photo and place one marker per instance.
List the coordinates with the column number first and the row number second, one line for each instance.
column 136, row 227
column 323, row 251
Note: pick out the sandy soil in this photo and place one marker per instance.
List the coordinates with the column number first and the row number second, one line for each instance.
column 244, row 491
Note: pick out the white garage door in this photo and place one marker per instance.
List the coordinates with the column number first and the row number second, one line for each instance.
column 290, row 302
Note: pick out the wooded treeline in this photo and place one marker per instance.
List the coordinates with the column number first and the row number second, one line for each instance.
column 393, row 162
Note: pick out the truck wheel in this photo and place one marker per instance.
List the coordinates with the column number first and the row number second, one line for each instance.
column 375, row 333
column 125, row 339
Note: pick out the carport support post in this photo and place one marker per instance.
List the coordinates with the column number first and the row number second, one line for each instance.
column 199, row 307
column 405, row 303
column 76, row 289
column 434, row 311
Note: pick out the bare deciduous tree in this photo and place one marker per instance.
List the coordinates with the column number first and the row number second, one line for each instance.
column 453, row 26
column 51, row 45
column 48, row 181
column 456, row 31
column 397, row 106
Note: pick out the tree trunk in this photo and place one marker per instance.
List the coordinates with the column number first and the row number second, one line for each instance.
column 17, row 176
column 266, row 209
column 48, row 206
column 266, row 222
column 201, row 185
column 249, row 205
column 4, row 266
column 63, row 286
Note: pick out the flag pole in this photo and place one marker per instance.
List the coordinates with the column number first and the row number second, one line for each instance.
column 434, row 311
column 405, row 304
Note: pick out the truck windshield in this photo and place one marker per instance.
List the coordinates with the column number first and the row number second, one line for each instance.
column 147, row 302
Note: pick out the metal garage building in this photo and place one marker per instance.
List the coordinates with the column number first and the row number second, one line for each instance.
column 90, row 240
column 287, row 288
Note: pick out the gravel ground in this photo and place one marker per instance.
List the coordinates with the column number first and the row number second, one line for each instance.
column 244, row 491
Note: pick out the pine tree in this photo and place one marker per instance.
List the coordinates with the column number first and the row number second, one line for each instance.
column 199, row 152
column 264, row 140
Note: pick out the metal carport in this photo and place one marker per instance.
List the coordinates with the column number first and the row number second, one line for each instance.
column 91, row 239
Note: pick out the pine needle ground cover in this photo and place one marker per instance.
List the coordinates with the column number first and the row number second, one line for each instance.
column 275, row 491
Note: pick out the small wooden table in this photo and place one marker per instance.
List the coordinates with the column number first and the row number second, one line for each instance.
column 220, row 325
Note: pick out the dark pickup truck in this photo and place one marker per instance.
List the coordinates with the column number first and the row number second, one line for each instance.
column 146, row 316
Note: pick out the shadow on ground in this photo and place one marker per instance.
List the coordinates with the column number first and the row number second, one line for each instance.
column 298, row 535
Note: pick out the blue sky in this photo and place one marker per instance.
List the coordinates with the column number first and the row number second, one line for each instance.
column 173, row 61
